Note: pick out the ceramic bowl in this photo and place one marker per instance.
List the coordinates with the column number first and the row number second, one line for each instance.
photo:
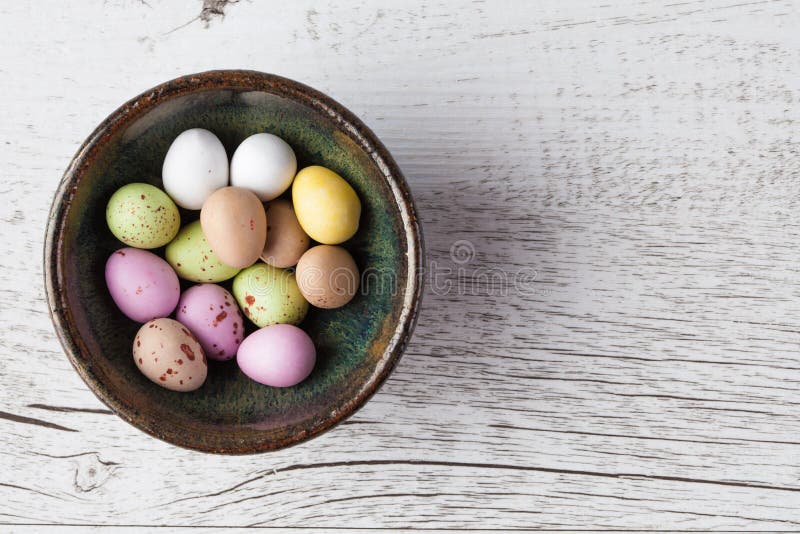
column 357, row 345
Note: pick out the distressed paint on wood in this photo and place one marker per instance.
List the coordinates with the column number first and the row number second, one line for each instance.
column 608, row 193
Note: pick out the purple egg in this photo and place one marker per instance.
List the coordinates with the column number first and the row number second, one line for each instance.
column 212, row 315
column 143, row 286
column 279, row 355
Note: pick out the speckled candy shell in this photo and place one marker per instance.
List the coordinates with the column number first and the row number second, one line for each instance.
column 269, row 295
column 142, row 216
column 192, row 258
column 211, row 313
column 143, row 285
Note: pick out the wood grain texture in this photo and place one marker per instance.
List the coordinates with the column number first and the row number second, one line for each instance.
column 620, row 351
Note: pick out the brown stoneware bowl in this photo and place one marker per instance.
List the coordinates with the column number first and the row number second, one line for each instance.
column 357, row 345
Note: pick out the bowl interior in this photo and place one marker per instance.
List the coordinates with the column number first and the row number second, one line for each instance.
column 231, row 413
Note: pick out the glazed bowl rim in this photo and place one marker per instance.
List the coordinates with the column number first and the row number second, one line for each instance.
column 242, row 81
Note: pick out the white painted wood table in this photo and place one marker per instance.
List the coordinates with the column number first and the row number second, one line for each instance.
column 609, row 194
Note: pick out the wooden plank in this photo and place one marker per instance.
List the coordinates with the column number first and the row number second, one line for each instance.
column 610, row 329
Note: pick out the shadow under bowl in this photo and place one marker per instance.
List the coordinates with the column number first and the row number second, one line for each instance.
column 357, row 345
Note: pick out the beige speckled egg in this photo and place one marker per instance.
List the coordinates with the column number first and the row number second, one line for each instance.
column 327, row 276
column 167, row 353
column 235, row 225
column 286, row 240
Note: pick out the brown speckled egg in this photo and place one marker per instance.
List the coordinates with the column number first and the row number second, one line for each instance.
column 167, row 353
column 327, row 276
column 235, row 225
column 286, row 240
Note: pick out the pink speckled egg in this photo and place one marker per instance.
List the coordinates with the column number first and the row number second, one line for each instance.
column 143, row 286
column 279, row 355
column 212, row 315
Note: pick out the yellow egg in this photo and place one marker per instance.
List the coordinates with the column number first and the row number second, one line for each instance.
column 326, row 206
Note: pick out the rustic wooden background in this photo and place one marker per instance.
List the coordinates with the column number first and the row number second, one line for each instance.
column 609, row 193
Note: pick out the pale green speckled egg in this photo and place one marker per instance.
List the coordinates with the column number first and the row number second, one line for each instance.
column 142, row 216
column 192, row 258
column 269, row 295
